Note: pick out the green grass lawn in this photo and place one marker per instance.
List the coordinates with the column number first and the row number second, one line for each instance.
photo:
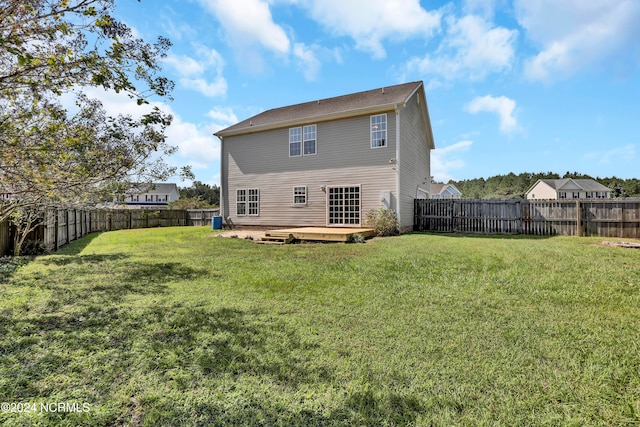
column 175, row 326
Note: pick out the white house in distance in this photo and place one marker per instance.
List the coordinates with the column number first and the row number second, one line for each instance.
column 326, row 163
column 568, row 188
column 154, row 195
column 445, row 191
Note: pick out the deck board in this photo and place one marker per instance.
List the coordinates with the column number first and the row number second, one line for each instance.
column 321, row 233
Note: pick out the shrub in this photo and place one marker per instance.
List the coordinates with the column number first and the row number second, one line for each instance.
column 384, row 221
column 357, row 238
column 32, row 247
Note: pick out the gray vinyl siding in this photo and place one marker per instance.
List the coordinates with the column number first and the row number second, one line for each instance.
column 344, row 157
column 414, row 157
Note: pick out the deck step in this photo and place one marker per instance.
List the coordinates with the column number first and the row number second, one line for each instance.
column 276, row 238
column 269, row 242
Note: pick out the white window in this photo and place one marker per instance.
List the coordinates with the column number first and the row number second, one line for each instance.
column 575, row 194
column 148, row 198
column 302, row 141
column 295, row 142
column 379, row 131
column 309, row 140
column 135, row 198
column 562, row 195
column 300, row 195
column 253, row 200
column 241, row 202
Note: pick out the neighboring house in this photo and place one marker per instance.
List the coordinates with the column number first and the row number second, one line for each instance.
column 328, row 162
column 568, row 188
column 157, row 195
column 445, row 191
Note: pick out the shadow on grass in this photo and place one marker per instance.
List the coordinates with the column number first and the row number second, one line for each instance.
column 181, row 365
column 484, row 236
column 9, row 265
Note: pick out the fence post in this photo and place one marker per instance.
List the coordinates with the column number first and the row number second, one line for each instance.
column 578, row 218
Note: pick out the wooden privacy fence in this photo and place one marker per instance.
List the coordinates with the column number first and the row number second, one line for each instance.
column 582, row 217
column 62, row 226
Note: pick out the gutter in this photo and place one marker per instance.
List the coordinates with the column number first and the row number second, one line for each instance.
column 311, row 119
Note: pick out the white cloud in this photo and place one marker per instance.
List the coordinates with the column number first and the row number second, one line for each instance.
column 369, row 22
column 444, row 160
column 614, row 156
column 247, row 22
column 221, row 117
column 184, row 65
column 196, row 145
column 502, row 106
column 307, row 60
column 212, row 90
column 481, row 7
column 194, row 73
column 575, row 34
column 471, row 49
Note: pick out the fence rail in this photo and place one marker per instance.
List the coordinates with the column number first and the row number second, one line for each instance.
column 604, row 218
column 62, row 226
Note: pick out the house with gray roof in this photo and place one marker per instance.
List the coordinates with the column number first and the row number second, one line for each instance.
column 445, row 191
column 326, row 163
column 567, row 188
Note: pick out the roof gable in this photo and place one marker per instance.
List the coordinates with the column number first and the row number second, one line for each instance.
column 570, row 184
column 326, row 109
column 444, row 188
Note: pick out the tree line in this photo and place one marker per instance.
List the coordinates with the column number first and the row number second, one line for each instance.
column 198, row 196
column 512, row 186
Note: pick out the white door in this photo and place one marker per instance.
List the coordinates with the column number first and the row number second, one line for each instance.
column 343, row 205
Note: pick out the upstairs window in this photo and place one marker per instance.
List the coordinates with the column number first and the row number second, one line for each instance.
column 309, row 140
column 302, row 141
column 379, row 131
column 295, row 142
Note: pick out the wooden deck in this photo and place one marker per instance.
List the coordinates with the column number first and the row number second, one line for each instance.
column 324, row 234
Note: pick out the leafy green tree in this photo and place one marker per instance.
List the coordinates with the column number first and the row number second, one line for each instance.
column 52, row 156
column 209, row 194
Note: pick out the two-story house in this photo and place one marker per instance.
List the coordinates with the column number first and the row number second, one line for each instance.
column 330, row 161
column 568, row 188
column 152, row 195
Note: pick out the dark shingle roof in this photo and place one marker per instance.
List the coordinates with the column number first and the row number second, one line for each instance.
column 340, row 106
column 582, row 184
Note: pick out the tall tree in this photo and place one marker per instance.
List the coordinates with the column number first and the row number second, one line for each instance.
column 52, row 155
column 209, row 194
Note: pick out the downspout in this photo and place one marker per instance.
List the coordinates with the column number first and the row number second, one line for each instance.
column 398, row 163
column 222, row 177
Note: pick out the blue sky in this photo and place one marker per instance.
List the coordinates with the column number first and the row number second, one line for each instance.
column 512, row 85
